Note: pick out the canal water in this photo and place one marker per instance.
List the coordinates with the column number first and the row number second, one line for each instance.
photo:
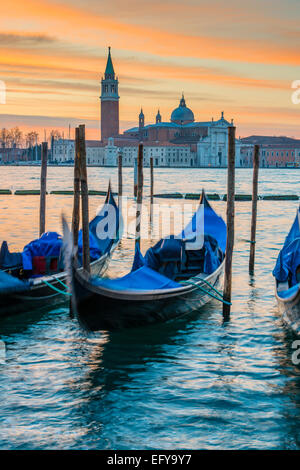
column 193, row 383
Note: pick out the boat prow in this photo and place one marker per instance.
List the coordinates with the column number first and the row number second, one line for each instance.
column 287, row 277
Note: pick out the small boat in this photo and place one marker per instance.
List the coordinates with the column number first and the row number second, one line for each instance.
column 177, row 276
column 37, row 277
column 287, row 277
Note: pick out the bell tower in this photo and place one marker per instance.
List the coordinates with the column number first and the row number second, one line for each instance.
column 141, row 124
column 109, row 102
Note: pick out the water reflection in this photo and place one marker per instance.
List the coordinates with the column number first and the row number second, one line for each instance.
column 196, row 382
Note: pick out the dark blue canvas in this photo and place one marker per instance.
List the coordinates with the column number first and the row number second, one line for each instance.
column 142, row 279
column 11, row 285
column 289, row 257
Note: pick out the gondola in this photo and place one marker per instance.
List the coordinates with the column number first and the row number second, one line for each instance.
column 287, row 277
column 44, row 282
column 177, row 276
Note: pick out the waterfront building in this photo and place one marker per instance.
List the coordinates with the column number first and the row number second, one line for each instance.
column 10, row 155
column 276, row 152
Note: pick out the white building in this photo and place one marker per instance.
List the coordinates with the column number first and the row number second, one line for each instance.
column 99, row 154
column 63, row 152
column 212, row 150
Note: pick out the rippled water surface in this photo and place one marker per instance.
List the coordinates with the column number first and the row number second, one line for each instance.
column 194, row 383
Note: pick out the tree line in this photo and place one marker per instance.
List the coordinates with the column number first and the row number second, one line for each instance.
column 10, row 138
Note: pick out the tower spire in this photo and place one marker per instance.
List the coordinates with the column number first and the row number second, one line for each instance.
column 109, row 71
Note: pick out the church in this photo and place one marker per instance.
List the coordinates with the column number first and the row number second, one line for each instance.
column 208, row 140
column 180, row 142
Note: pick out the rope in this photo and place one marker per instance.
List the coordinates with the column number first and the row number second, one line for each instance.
column 210, row 285
column 56, row 289
column 61, row 282
column 207, row 292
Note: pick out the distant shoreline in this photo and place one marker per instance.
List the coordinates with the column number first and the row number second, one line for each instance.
column 61, row 165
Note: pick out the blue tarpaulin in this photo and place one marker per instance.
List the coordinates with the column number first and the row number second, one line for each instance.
column 289, row 257
column 11, row 285
column 49, row 244
column 172, row 253
column 104, row 228
column 176, row 254
column 209, row 222
column 143, row 279
column 95, row 251
column 9, row 260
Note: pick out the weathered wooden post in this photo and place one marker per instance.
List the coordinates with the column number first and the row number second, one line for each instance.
column 230, row 222
column 120, row 181
column 254, row 208
column 84, row 201
column 44, row 159
column 76, row 203
column 139, row 197
column 151, row 189
column 135, row 176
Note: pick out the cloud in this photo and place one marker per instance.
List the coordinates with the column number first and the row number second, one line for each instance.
column 25, row 40
column 53, row 55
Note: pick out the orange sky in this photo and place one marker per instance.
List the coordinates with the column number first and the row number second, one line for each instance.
column 225, row 56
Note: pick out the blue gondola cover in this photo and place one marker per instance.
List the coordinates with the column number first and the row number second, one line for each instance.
column 144, row 275
column 289, row 257
column 142, row 279
column 11, row 285
column 49, row 244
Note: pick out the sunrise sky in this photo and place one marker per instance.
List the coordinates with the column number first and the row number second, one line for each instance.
column 225, row 56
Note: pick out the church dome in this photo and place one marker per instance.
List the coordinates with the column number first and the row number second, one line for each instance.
column 182, row 114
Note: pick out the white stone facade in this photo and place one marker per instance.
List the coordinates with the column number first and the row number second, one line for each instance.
column 98, row 154
column 212, row 150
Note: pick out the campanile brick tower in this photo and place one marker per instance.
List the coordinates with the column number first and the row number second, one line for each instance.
column 109, row 102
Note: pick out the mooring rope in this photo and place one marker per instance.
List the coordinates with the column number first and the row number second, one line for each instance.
column 209, row 284
column 207, row 292
column 61, row 282
column 56, row 289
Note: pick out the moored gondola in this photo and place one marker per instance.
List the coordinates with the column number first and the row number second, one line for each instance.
column 176, row 276
column 37, row 277
column 287, row 277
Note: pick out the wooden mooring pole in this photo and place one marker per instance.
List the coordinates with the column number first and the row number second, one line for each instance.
column 120, row 180
column 151, row 189
column 254, row 208
column 76, row 203
column 44, row 159
column 84, row 201
column 135, row 176
column 230, row 222
column 139, row 197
